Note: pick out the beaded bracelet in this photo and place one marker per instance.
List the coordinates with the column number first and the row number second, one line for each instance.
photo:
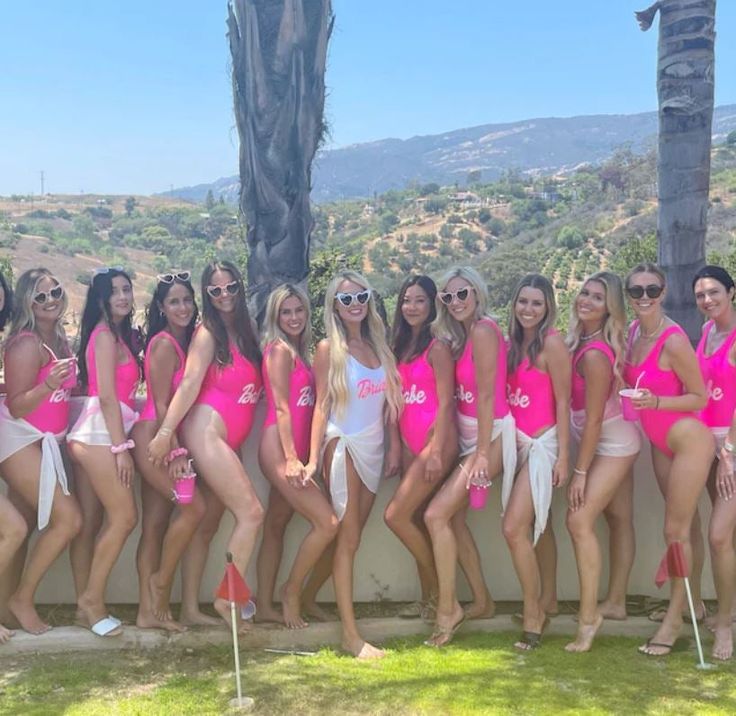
column 117, row 449
column 177, row 452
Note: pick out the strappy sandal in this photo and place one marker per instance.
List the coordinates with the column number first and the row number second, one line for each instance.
column 441, row 636
column 529, row 641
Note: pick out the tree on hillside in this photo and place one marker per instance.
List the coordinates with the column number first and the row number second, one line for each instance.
column 731, row 139
column 279, row 53
column 130, row 204
column 685, row 78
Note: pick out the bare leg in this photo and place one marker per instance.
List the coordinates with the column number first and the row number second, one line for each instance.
column 23, row 471
column 278, row 516
column 120, row 520
column 321, row 572
column 195, row 559
column 518, row 521
column 82, row 546
column 681, row 480
column 10, row 573
column 605, row 477
column 723, row 559
column 619, row 514
column 13, row 532
column 546, row 553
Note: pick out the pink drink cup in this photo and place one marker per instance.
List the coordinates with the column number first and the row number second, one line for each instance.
column 184, row 489
column 477, row 496
column 630, row 413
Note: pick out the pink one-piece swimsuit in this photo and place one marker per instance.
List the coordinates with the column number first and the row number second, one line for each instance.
column 301, row 402
column 578, row 382
column 127, row 374
column 421, row 401
column 233, row 391
column 466, row 388
column 149, row 409
column 52, row 413
column 532, row 399
column 664, row 383
column 720, row 380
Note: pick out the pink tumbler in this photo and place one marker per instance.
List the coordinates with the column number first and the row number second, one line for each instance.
column 478, row 496
column 630, row 413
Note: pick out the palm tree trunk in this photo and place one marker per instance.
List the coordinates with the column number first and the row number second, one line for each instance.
column 279, row 55
column 685, row 81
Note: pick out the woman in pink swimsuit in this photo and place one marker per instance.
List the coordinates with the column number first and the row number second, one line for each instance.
column 99, row 446
column 13, row 528
column 660, row 357
column 358, row 394
column 170, row 318
column 486, row 437
column 427, row 428
column 714, row 294
column 284, row 452
column 539, row 376
column 218, row 395
column 34, row 416
column 608, row 445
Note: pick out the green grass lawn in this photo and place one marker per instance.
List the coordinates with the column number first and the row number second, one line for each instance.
column 478, row 673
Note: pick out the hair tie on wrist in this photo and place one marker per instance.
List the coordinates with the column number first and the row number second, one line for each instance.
column 177, row 452
column 117, row 449
column 578, row 471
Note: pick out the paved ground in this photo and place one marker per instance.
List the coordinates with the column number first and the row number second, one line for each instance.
column 65, row 639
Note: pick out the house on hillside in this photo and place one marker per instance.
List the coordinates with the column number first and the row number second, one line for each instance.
column 466, row 200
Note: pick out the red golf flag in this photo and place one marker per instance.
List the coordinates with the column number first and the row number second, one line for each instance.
column 233, row 587
column 673, row 564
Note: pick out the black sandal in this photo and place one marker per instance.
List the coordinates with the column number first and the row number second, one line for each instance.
column 529, row 641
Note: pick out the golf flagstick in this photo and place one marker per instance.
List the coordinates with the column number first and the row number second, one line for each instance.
column 234, row 590
column 674, row 564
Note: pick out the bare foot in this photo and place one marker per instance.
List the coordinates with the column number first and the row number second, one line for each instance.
column 160, row 595
column 552, row 609
column 197, row 618
column 291, row 608
column 90, row 613
column 615, row 612
column 481, row 609
column 712, row 621
column 266, row 614
column 148, row 620
column 586, row 634
column 315, row 611
column 5, row 634
column 446, row 626
column 723, row 644
column 362, row 649
column 222, row 607
column 27, row 616
column 662, row 642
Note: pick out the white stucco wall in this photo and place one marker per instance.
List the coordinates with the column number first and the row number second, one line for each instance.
column 384, row 567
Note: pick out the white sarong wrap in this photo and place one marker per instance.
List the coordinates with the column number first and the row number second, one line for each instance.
column 618, row 437
column 541, row 453
column 17, row 433
column 90, row 427
column 366, row 450
column 505, row 427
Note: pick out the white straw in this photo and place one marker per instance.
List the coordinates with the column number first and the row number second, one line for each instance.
column 638, row 380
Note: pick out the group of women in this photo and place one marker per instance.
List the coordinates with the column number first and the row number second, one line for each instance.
column 447, row 401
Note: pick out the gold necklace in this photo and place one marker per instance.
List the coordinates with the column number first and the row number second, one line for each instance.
column 648, row 336
column 590, row 335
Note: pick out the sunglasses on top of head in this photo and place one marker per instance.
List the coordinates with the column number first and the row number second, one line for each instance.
column 347, row 299
column 229, row 288
column 182, row 276
column 653, row 290
column 102, row 270
column 54, row 294
column 461, row 295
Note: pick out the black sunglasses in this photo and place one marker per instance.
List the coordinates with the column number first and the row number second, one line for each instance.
column 55, row 293
column 182, row 276
column 653, row 290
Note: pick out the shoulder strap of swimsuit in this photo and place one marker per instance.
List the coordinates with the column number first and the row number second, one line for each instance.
column 168, row 337
column 601, row 346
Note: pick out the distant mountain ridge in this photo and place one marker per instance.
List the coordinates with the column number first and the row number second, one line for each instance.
column 543, row 145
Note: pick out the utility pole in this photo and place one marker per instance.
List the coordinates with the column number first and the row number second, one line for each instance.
column 42, row 181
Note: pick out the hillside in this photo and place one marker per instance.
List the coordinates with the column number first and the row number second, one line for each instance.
column 536, row 146
column 565, row 226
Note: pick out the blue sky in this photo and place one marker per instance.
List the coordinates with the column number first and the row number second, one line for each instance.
column 135, row 97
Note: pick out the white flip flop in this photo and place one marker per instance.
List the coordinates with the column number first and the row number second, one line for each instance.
column 106, row 627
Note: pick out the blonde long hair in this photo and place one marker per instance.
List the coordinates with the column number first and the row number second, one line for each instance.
column 373, row 332
column 614, row 324
column 271, row 330
column 447, row 328
column 25, row 290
